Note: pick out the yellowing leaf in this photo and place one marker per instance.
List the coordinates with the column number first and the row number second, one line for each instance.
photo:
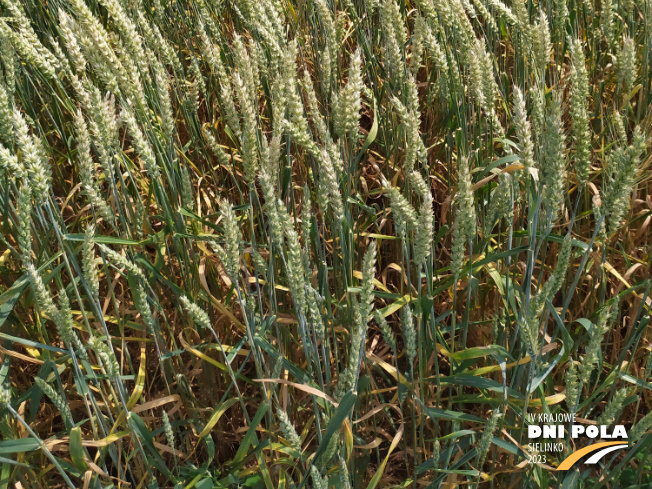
column 140, row 380
column 390, row 369
column 217, row 414
column 358, row 274
column 396, row 305
column 380, row 470
column 550, row 400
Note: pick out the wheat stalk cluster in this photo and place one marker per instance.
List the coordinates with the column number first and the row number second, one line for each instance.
column 322, row 243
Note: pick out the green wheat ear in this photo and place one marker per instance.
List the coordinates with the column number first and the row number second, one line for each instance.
column 579, row 115
column 573, row 386
column 24, row 238
column 33, row 159
column 523, row 133
column 385, row 329
column 614, row 408
column 169, row 432
column 639, row 429
column 106, row 356
column 485, row 440
column 88, row 261
column 288, row 430
column 346, row 102
column 56, row 399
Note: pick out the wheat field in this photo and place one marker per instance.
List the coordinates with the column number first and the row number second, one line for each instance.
column 323, row 243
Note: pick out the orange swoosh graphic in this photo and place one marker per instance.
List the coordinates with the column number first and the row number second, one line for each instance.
column 574, row 457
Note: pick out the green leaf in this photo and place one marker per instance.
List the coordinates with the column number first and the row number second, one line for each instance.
column 499, row 256
column 571, row 479
column 436, row 413
column 296, row 371
column 541, row 377
column 205, row 484
column 9, row 461
column 481, row 351
column 509, row 446
column 553, row 237
column 586, row 324
column 18, row 446
column 371, row 137
column 457, row 434
column 9, row 297
column 7, row 307
column 33, row 344
column 250, row 436
column 566, row 338
column 635, row 381
column 494, row 164
column 101, row 239
column 472, row 473
column 341, row 413
column 140, row 429
column 479, row 383
column 76, row 449
column 255, row 482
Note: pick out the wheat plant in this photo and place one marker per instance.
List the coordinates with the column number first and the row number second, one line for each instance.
column 322, row 243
